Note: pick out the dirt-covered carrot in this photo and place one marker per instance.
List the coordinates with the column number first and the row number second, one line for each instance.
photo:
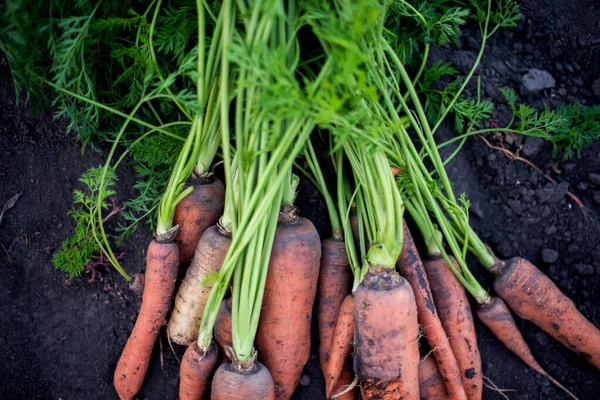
column 222, row 333
column 386, row 336
column 411, row 268
column 334, row 285
column 533, row 296
column 197, row 367
column 431, row 384
column 347, row 385
column 195, row 288
column 455, row 313
column 242, row 380
column 283, row 336
column 342, row 345
column 197, row 212
column 161, row 272
column 496, row 316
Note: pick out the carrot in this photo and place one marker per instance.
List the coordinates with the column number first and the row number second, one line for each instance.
column 161, row 272
column 411, row 268
column 346, row 386
column 386, row 348
column 457, row 319
column 222, row 329
column 334, row 285
column 236, row 381
column 283, row 336
column 534, row 297
column 194, row 291
column 197, row 367
column 197, row 212
column 342, row 345
column 431, row 384
column 496, row 316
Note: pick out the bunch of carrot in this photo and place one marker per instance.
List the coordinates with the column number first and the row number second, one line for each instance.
column 250, row 268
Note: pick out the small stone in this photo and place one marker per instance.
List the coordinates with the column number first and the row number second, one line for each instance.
column 515, row 206
column 542, row 338
column 305, row 380
column 551, row 230
column 537, row 79
column 594, row 178
column 549, row 256
column 532, row 146
column 584, row 269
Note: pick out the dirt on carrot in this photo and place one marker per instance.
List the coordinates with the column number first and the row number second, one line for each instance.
column 193, row 292
column 431, row 384
column 457, row 319
column 534, row 297
column 386, row 348
column 411, row 268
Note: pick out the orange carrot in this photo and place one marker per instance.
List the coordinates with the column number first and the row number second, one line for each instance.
column 411, row 268
column 431, row 384
column 386, row 356
column 334, row 285
column 237, row 380
column 222, row 334
column 283, row 335
column 496, row 316
column 161, row 272
column 197, row 212
column 193, row 292
column 346, row 384
column 455, row 313
column 342, row 345
column 197, row 367
column 534, row 297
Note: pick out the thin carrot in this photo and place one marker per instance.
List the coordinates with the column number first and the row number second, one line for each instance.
column 431, row 384
column 161, row 272
column 455, row 313
column 533, row 296
column 222, row 333
column 242, row 381
column 496, row 316
column 334, row 285
column 197, row 367
column 342, row 345
column 197, row 212
column 411, row 268
column 347, row 386
column 194, row 291
column 386, row 356
column 283, row 336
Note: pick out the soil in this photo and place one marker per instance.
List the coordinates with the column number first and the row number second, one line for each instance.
column 61, row 339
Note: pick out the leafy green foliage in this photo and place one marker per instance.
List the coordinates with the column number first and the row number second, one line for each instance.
column 77, row 251
column 570, row 128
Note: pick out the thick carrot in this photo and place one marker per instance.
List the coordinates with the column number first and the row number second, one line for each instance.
column 161, row 272
column 194, row 291
column 342, row 345
column 283, row 336
column 197, row 212
column 197, row 367
column 496, row 316
column 431, row 384
column 455, row 313
column 335, row 284
column 533, row 296
column 233, row 382
column 386, row 331
column 411, row 268
column 222, row 330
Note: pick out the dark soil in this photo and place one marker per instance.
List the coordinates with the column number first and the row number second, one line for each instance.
column 62, row 339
